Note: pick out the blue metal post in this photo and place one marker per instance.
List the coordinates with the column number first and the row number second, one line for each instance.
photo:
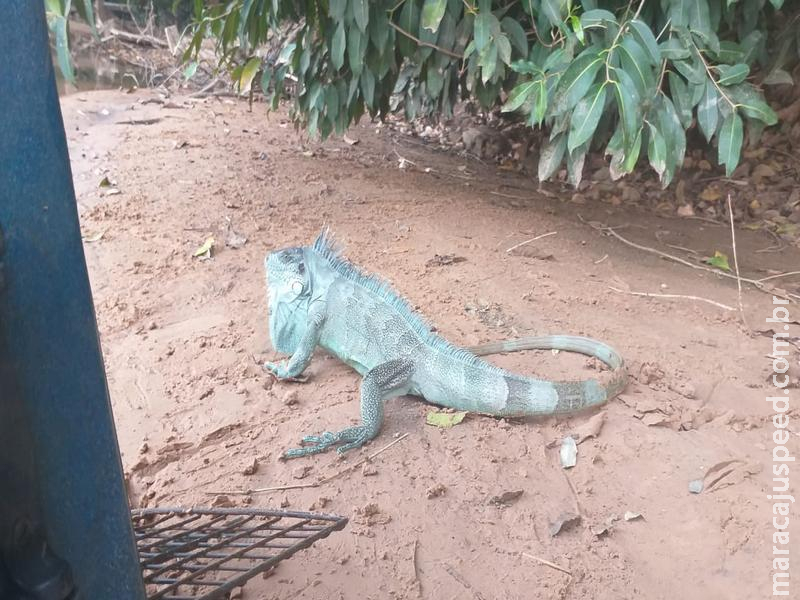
column 59, row 459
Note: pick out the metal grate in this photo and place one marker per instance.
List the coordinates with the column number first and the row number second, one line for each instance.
column 202, row 554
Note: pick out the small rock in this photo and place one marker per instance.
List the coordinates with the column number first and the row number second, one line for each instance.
column 144, row 448
column 285, row 502
column 696, row 486
column 250, row 468
column 435, row 491
column 290, row 398
column 222, row 501
column 685, row 210
column 236, row 594
column 368, row 470
column 761, row 172
column 301, row 472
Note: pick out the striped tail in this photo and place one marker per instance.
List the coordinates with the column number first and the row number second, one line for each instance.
column 571, row 395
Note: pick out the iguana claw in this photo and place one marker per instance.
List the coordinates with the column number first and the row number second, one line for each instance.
column 355, row 437
column 279, row 372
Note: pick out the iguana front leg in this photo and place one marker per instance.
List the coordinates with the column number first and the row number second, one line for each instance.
column 387, row 380
column 302, row 356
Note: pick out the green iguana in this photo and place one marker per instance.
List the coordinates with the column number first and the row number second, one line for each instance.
column 317, row 298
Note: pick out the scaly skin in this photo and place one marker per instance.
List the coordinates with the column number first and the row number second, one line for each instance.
column 316, row 298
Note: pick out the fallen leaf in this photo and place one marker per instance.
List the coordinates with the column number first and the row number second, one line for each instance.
column 590, row 429
column 632, row 516
column 105, row 182
column 440, row 260
column 685, row 210
column 112, row 192
column 719, row 260
column 204, row 251
column 350, row 141
column 234, row 239
column 506, row 498
column 94, row 237
column 564, row 522
column 444, row 419
column 568, row 452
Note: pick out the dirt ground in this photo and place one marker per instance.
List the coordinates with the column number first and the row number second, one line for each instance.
column 198, row 419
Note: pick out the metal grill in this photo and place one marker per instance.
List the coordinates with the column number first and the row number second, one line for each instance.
column 203, row 554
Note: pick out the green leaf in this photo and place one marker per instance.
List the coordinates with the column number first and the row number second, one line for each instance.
column 249, row 71
column 356, row 46
column 444, row 420
column 731, row 74
column 551, row 156
column 708, row 111
column 482, row 35
column 361, row 14
column 586, row 116
column 779, row 77
column 628, row 107
column 409, row 21
column 656, row 150
column 205, row 249
column 719, row 260
column 539, row 103
column 336, row 9
column 634, row 62
column 338, row 45
column 729, row 52
column 752, row 103
column 674, row 49
column 731, row 135
column 190, row 70
column 59, row 26
column 680, row 97
column 518, row 96
column 516, row 34
column 432, row 13
column 503, row 49
column 597, row 17
column 554, row 11
column 575, row 162
column 488, row 63
column 576, row 81
column 644, row 35
column 674, row 135
column 577, row 28
column 368, row 87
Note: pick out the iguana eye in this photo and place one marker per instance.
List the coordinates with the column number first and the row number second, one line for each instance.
column 297, row 287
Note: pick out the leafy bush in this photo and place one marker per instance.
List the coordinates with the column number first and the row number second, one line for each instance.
column 631, row 79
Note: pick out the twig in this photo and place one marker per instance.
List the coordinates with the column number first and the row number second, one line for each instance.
column 754, row 282
column 141, row 40
column 682, row 296
column 552, row 565
column 512, row 196
column 597, row 262
column 323, row 481
column 789, row 274
column 363, row 460
column 277, row 488
column 423, row 43
column 736, row 266
column 574, row 494
column 538, row 237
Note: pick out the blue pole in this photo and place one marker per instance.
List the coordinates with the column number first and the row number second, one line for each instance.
column 60, row 466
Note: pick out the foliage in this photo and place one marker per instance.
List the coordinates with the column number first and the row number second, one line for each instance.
column 631, row 79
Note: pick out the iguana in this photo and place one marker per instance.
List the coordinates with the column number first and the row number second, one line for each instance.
column 317, row 298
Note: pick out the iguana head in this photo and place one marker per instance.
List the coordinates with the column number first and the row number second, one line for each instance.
column 289, row 293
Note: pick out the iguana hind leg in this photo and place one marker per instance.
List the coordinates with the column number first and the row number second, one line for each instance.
column 385, row 381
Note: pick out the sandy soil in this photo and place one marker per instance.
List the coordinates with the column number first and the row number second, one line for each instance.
column 197, row 417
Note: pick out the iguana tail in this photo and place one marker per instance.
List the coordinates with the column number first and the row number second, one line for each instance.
column 572, row 395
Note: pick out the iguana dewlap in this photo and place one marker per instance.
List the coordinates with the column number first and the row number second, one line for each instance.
column 317, row 298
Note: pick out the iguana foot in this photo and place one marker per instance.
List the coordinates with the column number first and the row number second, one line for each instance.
column 280, row 372
column 353, row 437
